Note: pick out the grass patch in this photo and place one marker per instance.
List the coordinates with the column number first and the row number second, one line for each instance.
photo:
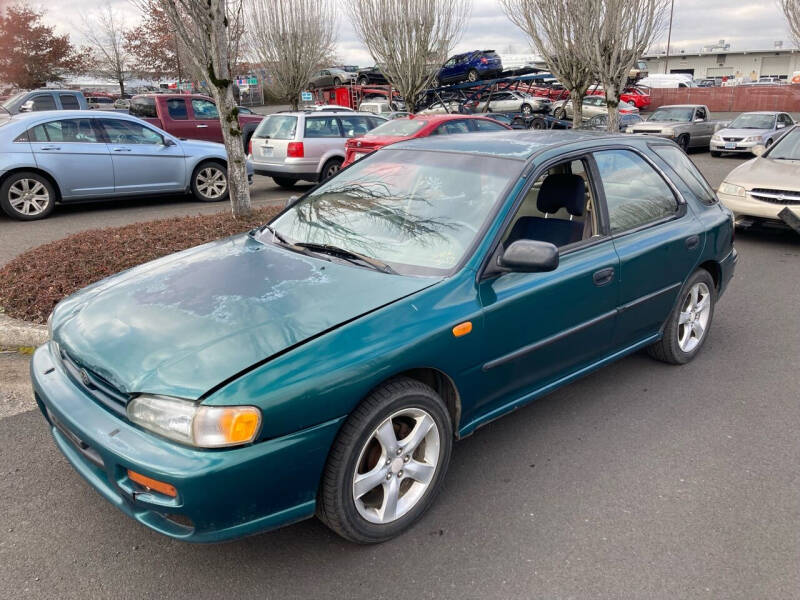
column 33, row 282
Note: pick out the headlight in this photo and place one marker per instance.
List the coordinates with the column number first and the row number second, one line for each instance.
column 716, row 138
column 629, row 130
column 731, row 190
column 50, row 326
column 753, row 138
column 668, row 131
column 195, row 424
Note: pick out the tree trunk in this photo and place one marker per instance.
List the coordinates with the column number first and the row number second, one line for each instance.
column 576, row 96
column 239, row 189
column 612, row 92
column 121, row 87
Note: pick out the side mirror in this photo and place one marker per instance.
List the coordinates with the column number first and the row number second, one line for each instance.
column 529, row 256
column 169, row 142
column 26, row 106
column 290, row 201
column 758, row 149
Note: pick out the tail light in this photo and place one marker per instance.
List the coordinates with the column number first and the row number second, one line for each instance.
column 295, row 150
column 484, row 60
column 250, row 146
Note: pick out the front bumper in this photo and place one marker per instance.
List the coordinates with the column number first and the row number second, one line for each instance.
column 739, row 147
column 222, row 494
column 747, row 206
column 293, row 171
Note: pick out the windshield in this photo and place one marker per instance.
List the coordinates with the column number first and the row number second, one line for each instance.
column 753, row 121
column 9, row 101
column 787, row 148
column 277, row 127
column 398, row 127
column 680, row 114
column 418, row 212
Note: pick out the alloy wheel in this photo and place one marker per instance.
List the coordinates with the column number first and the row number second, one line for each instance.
column 28, row 197
column 694, row 316
column 211, row 182
column 332, row 170
column 396, row 465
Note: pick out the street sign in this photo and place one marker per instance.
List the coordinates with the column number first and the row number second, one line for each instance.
column 306, row 96
column 252, row 81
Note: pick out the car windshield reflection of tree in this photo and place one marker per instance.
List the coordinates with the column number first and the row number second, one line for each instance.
column 419, row 212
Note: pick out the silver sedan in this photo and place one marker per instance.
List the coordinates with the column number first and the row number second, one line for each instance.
column 70, row 156
column 749, row 130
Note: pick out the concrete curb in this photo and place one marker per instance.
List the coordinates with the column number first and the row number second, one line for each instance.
column 20, row 335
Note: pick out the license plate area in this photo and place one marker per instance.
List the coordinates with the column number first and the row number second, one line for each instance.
column 730, row 145
column 266, row 151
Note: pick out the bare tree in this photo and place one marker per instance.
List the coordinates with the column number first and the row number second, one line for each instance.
column 791, row 10
column 409, row 39
column 211, row 32
column 105, row 31
column 559, row 30
column 626, row 28
column 291, row 38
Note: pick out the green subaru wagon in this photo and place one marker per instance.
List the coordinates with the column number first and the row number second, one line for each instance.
column 325, row 363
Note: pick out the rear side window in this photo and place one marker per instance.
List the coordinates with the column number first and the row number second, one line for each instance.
column 66, row 130
column 322, row 127
column 635, row 193
column 355, row 126
column 176, row 109
column 482, row 125
column 144, row 108
column 684, row 167
column 44, row 102
column 277, row 127
column 451, row 127
column 69, row 102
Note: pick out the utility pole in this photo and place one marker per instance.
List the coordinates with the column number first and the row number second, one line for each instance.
column 669, row 36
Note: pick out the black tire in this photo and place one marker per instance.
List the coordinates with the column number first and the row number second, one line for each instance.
column 560, row 114
column 683, row 142
column 716, row 154
column 336, row 506
column 668, row 349
column 473, row 75
column 23, row 183
column 287, row 184
column 538, row 123
column 526, row 109
column 363, row 81
column 769, row 143
column 337, row 81
column 330, row 168
column 205, row 171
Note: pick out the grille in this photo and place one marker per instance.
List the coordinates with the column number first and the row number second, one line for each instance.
column 95, row 386
column 733, row 139
column 783, row 197
column 645, row 130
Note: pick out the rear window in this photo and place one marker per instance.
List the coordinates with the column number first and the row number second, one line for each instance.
column 144, row 108
column 490, row 54
column 277, row 127
column 69, row 102
column 399, row 127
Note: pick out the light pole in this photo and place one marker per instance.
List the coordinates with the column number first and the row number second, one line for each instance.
column 669, row 36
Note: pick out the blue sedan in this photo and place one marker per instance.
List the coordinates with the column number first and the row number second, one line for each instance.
column 70, row 156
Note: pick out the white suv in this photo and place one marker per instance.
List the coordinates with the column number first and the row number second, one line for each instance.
column 305, row 146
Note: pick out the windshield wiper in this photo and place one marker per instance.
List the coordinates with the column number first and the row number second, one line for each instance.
column 348, row 255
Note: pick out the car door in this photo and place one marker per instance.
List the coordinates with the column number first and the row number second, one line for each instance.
column 73, row 152
column 206, row 120
column 702, row 129
column 43, row 102
column 447, row 72
column 142, row 160
column 657, row 238
column 176, row 118
column 500, row 102
column 543, row 327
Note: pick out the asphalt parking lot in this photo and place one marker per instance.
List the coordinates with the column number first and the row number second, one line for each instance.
column 640, row 481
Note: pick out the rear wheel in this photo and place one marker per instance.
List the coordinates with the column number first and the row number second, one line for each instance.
column 337, row 81
column 331, row 168
column 287, row 184
column 363, row 81
column 560, row 114
column 473, row 75
column 768, row 144
column 27, row 196
column 538, row 123
column 527, row 109
column 387, row 463
column 687, row 326
column 210, row 182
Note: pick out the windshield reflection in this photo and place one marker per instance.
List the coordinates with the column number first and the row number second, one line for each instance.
column 786, row 148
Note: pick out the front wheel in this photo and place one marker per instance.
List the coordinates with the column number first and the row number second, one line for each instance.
column 210, row 182
column 560, row 114
column 387, row 463
column 363, row 81
column 687, row 326
column 683, row 142
column 287, row 184
column 527, row 109
column 473, row 75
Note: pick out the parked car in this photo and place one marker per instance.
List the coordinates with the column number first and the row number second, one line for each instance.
column 554, row 91
column 378, row 106
column 306, row 146
column 760, row 189
column 43, row 99
column 514, row 102
column 689, row 125
column 100, row 102
column 749, row 130
column 371, row 75
column 188, row 116
column 243, row 110
column 330, row 77
column 667, row 80
column 707, row 83
column 416, row 127
column 592, row 105
column 326, row 362
column 68, row 156
column 600, row 122
column 635, row 96
column 470, row 66
column 122, row 104
column 444, row 108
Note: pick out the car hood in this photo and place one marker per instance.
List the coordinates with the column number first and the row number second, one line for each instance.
column 658, row 125
column 743, row 132
column 183, row 324
column 203, row 146
column 767, row 173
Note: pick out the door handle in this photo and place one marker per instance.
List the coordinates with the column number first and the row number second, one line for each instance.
column 122, row 149
column 603, row 276
column 202, row 126
column 692, row 242
column 51, row 147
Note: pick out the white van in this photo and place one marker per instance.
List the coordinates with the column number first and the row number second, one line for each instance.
column 667, row 80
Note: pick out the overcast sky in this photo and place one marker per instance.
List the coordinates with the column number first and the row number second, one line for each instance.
column 745, row 24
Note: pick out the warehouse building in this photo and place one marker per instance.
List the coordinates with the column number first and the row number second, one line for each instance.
column 720, row 61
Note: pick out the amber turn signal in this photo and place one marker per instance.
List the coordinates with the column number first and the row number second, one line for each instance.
column 153, row 484
column 462, row 328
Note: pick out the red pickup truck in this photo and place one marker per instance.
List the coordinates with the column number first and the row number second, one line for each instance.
column 188, row 116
